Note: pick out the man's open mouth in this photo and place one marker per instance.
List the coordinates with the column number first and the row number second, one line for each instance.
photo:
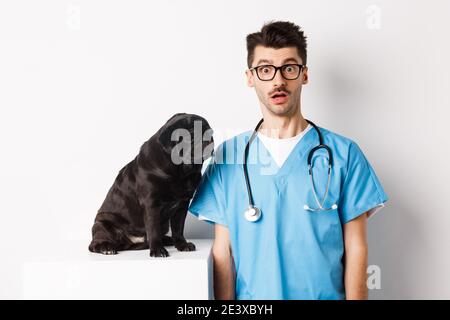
column 279, row 97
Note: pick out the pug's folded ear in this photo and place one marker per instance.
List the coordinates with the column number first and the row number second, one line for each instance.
column 165, row 138
column 165, row 135
column 176, row 115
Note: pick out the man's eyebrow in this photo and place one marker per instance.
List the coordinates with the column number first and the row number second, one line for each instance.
column 270, row 61
column 290, row 60
column 263, row 61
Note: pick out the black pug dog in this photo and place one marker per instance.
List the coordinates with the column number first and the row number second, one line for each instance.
column 154, row 189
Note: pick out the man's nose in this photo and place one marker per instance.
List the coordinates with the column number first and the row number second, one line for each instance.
column 278, row 80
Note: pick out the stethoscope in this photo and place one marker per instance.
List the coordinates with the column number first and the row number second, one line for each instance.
column 253, row 213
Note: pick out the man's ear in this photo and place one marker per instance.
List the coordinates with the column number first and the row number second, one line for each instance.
column 250, row 78
column 305, row 78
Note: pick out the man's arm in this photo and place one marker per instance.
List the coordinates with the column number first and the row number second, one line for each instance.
column 224, row 274
column 356, row 252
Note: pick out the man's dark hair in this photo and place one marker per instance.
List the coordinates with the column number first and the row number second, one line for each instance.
column 277, row 34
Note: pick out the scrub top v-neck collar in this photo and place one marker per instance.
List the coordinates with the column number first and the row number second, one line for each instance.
column 297, row 154
column 281, row 148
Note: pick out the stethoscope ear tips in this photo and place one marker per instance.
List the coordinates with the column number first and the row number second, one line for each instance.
column 333, row 207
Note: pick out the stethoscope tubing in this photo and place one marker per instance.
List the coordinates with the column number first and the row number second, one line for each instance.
column 253, row 213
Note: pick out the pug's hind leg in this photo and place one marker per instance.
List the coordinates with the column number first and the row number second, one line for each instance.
column 103, row 239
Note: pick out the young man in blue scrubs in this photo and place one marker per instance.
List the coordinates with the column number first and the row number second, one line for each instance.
column 290, row 252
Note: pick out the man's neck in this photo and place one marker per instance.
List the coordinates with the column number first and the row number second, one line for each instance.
column 283, row 127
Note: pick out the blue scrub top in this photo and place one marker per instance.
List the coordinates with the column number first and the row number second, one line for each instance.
column 290, row 253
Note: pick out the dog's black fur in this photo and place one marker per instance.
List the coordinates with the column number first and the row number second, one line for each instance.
column 151, row 191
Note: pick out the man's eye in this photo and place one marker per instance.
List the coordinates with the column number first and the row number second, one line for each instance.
column 265, row 70
column 290, row 69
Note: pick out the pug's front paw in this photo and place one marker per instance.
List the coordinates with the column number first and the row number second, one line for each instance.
column 158, row 252
column 185, row 246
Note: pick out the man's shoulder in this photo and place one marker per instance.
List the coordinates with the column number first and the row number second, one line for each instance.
column 348, row 147
column 332, row 137
column 241, row 137
column 229, row 151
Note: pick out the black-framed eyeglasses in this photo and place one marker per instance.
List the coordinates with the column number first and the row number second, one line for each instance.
column 288, row 71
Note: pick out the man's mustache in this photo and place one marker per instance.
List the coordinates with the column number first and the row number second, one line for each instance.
column 279, row 91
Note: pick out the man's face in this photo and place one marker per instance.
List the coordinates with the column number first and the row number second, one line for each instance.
column 280, row 106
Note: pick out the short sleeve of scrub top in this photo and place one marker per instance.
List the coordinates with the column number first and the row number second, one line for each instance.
column 362, row 191
column 208, row 202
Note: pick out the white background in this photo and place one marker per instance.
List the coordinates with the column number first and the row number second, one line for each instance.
column 84, row 83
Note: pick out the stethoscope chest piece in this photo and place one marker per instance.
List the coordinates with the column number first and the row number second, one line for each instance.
column 252, row 214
